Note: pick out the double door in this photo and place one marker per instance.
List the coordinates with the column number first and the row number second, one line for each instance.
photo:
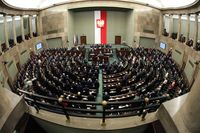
column 117, row 39
column 83, row 40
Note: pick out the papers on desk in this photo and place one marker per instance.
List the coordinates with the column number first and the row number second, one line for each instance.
column 124, row 106
column 88, row 108
column 85, row 99
column 112, row 92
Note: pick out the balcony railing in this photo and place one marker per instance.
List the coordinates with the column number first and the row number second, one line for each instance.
column 103, row 110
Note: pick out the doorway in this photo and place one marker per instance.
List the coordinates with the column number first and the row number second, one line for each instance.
column 83, row 40
column 117, row 39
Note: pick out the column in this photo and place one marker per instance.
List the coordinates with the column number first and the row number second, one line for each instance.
column 189, row 111
column 30, row 26
column 188, row 27
column 161, row 24
column 0, row 48
column 196, row 31
column 6, row 31
column 179, row 26
column 38, row 25
column 170, row 24
column 14, row 30
column 22, row 27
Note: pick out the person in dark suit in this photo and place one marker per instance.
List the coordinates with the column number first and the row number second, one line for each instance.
column 79, row 96
column 118, row 89
column 91, row 97
column 198, row 45
column 189, row 42
column 106, row 96
column 165, row 32
column 86, row 90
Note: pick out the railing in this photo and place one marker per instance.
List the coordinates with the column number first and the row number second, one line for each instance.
column 60, row 105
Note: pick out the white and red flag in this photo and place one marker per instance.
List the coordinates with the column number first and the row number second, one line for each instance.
column 100, row 20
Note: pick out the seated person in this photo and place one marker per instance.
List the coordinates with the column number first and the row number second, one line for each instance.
column 165, row 32
column 181, row 38
column 79, row 96
column 189, row 42
column 106, row 96
column 174, row 35
column 198, row 45
column 91, row 97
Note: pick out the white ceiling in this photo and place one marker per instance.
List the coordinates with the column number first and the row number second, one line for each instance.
column 40, row 4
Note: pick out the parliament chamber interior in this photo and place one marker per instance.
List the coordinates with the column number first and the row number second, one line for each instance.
column 114, row 66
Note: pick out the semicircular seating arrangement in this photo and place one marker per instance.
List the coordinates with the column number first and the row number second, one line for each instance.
column 139, row 77
column 142, row 73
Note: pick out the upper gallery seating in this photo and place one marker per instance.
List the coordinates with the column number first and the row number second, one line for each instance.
column 165, row 33
column 189, row 42
column 19, row 39
column 198, row 45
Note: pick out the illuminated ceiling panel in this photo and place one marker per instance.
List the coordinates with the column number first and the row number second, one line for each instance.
column 167, row 3
column 33, row 4
column 40, row 4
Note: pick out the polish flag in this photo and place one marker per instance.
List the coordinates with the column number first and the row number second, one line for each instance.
column 100, row 20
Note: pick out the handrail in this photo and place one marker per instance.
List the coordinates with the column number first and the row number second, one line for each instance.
column 94, row 110
column 92, row 102
column 55, row 99
column 104, row 112
column 137, row 101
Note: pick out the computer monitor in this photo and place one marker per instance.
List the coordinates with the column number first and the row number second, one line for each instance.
column 162, row 45
column 39, row 46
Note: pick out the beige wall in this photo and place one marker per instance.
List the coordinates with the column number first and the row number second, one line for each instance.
column 147, row 20
column 70, row 27
column 84, row 25
column 55, row 42
column 130, row 28
column 141, row 20
column 147, row 42
column 116, row 25
column 53, row 23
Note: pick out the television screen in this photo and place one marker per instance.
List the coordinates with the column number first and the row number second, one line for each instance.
column 162, row 45
column 38, row 46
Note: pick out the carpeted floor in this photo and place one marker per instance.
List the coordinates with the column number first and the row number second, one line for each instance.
column 100, row 91
column 111, row 60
